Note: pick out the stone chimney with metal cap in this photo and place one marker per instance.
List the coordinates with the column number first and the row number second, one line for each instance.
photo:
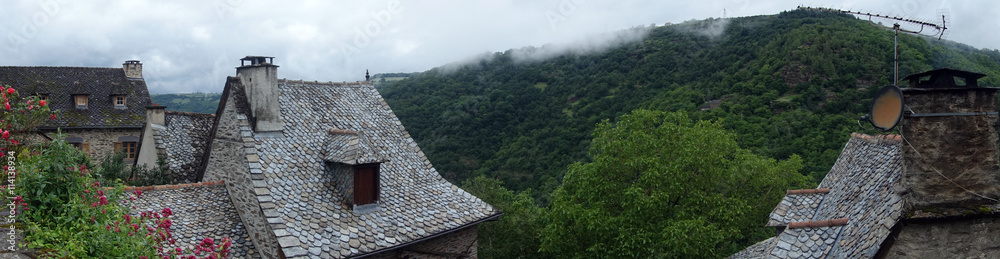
column 260, row 80
column 950, row 156
column 133, row 69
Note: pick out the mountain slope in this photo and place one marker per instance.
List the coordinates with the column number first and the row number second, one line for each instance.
column 791, row 83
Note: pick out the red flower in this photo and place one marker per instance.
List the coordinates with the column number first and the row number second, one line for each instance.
column 167, row 212
column 52, row 117
column 42, row 102
column 207, row 242
column 143, row 257
column 10, row 90
column 6, row 134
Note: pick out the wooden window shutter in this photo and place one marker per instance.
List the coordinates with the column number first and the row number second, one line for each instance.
column 118, row 147
column 365, row 185
column 86, row 148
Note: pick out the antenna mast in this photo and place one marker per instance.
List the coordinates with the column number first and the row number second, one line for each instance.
column 939, row 30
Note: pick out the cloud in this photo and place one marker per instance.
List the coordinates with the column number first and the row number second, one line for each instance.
column 190, row 45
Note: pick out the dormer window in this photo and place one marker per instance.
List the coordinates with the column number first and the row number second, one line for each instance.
column 118, row 101
column 43, row 97
column 81, row 101
column 354, row 165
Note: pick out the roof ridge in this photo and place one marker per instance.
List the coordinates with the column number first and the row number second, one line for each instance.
column 317, row 82
column 808, row 191
column 58, row 67
column 884, row 138
column 190, row 113
column 173, row 186
column 818, row 223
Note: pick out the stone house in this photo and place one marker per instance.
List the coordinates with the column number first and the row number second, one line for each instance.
column 100, row 110
column 300, row 169
column 930, row 192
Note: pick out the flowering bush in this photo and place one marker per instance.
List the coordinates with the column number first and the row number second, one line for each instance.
column 67, row 211
column 20, row 114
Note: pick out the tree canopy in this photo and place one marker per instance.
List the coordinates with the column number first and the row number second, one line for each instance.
column 661, row 185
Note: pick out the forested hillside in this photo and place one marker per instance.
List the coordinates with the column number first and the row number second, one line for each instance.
column 791, row 83
column 193, row 102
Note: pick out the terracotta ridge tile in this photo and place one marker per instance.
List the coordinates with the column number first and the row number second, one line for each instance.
column 807, row 191
column 190, row 113
column 818, row 223
column 341, row 131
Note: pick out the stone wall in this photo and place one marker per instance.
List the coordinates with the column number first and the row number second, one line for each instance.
column 459, row 244
column 962, row 148
column 228, row 162
column 961, row 238
column 102, row 141
column 343, row 181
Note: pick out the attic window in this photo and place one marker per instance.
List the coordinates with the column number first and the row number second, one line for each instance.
column 81, row 101
column 366, row 187
column 119, row 101
column 43, row 97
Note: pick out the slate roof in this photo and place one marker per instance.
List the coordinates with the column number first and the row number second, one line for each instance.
column 61, row 83
column 185, row 140
column 202, row 210
column 795, row 207
column 863, row 184
column 308, row 218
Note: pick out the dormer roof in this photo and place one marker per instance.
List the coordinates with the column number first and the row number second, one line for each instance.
column 350, row 147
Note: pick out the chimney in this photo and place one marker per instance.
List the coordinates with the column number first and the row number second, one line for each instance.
column 133, row 69
column 951, row 124
column 155, row 114
column 260, row 79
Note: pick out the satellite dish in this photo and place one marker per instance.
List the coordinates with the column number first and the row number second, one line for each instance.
column 887, row 108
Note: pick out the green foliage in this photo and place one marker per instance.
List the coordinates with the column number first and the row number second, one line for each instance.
column 515, row 235
column 113, row 168
column 794, row 83
column 192, row 102
column 661, row 185
column 66, row 209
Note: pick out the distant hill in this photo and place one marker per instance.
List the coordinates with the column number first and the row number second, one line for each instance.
column 191, row 102
column 791, row 83
column 381, row 79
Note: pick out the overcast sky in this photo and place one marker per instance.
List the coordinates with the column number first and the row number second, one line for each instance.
column 192, row 45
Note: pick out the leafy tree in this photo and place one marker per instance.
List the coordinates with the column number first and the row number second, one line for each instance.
column 661, row 185
column 515, row 235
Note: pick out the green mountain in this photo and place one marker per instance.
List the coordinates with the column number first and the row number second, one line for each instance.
column 791, row 83
column 192, row 102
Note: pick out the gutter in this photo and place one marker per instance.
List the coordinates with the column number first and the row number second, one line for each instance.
column 495, row 217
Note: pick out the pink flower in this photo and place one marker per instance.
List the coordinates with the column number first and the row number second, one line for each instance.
column 207, row 242
column 42, row 102
column 143, row 257
column 6, row 134
column 167, row 212
column 10, row 90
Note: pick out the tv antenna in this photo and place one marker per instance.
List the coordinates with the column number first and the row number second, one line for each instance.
column 938, row 30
